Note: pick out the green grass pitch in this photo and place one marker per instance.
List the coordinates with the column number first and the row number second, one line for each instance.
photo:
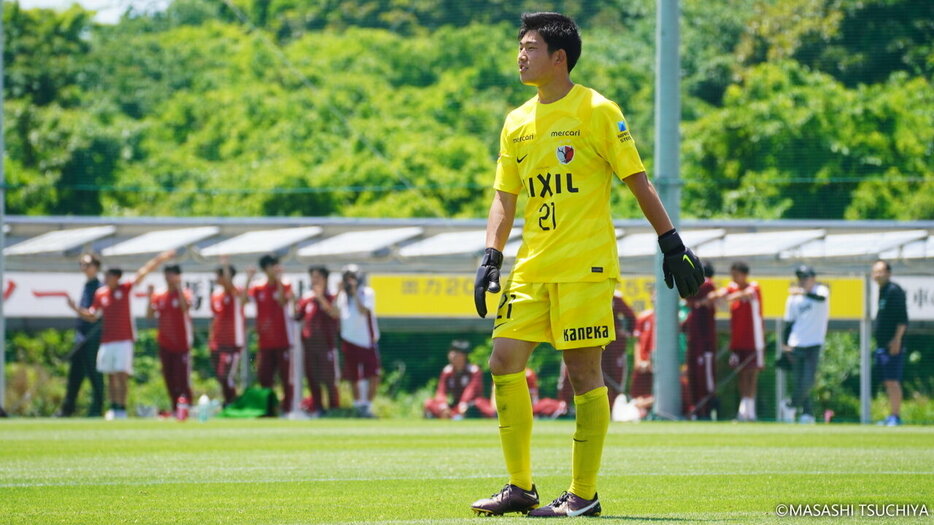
column 399, row 471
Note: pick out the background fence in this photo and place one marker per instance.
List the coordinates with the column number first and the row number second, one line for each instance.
column 791, row 111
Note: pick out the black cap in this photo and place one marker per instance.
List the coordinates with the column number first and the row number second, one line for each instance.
column 460, row 345
column 804, row 271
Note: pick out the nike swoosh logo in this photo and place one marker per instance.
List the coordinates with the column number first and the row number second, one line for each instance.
column 688, row 260
column 497, row 326
column 520, row 159
column 578, row 512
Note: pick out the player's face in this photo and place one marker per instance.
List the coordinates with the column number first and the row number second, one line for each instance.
column 457, row 359
column 172, row 279
column 806, row 282
column 112, row 281
column 317, row 280
column 879, row 274
column 738, row 276
column 273, row 270
column 89, row 270
column 536, row 65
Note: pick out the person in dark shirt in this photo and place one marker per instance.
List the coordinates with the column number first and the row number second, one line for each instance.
column 889, row 330
column 83, row 356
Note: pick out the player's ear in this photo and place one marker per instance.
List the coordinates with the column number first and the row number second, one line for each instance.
column 559, row 56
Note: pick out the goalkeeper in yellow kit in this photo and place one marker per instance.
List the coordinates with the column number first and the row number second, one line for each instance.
column 561, row 149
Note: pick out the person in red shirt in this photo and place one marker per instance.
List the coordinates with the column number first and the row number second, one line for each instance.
column 228, row 329
column 614, row 355
column 747, row 335
column 460, row 388
column 642, row 373
column 171, row 306
column 319, row 317
column 549, row 407
column 701, row 330
column 112, row 304
column 273, row 297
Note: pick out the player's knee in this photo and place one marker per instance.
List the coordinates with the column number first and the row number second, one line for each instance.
column 501, row 363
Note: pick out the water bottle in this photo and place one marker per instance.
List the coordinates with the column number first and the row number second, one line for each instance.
column 181, row 408
column 204, row 408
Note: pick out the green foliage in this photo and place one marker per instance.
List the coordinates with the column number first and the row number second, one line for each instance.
column 788, row 141
column 392, row 108
column 836, row 386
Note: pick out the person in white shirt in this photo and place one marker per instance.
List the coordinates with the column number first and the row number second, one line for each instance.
column 359, row 338
column 807, row 311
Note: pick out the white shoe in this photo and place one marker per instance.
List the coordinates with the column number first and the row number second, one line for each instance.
column 110, row 415
column 788, row 412
column 806, row 419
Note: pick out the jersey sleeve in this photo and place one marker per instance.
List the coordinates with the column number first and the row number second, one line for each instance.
column 789, row 313
column 369, row 299
column 613, row 140
column 507, row 169
column 96, row 302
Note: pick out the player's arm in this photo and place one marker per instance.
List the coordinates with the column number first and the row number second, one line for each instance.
column 185, row 299
column 245, row 293
column 681, row 267
column 441, row 393
column 228, row 285
column 150, row 305
column 498, row 226
column 819, row 293
column 328, row 306
column 900, row 315
column 90, row 315
column 151, row 265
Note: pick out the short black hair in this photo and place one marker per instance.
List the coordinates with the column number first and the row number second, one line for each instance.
column 231, row 271
column 740, row 266
column 708, row 269
column 116, row 272
column 268, row 260
column 558, row 31
column 888, row 267
column 172, row 268
column 320, row 269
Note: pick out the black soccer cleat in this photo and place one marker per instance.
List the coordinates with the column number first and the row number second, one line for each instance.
column 569, row 505
column 510, row 499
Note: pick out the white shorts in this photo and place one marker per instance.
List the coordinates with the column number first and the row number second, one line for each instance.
column 115, row 356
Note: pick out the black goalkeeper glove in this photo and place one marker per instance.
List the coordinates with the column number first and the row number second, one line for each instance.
column 681, row 266
column 487, row 278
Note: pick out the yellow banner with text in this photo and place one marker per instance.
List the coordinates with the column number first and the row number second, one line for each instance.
column 451, row 295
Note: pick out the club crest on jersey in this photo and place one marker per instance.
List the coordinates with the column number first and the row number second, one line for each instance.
column 118, row 295
column 565, row 154
column 621, row 126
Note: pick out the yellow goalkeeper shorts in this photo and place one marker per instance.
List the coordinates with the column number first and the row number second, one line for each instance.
column 566, row 315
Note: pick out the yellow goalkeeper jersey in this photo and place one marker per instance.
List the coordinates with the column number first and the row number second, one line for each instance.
column 562, row 156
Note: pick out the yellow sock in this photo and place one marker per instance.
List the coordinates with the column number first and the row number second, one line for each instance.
column 514, row 409
column 593, row 420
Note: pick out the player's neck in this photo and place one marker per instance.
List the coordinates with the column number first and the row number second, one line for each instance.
column 555, row 90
